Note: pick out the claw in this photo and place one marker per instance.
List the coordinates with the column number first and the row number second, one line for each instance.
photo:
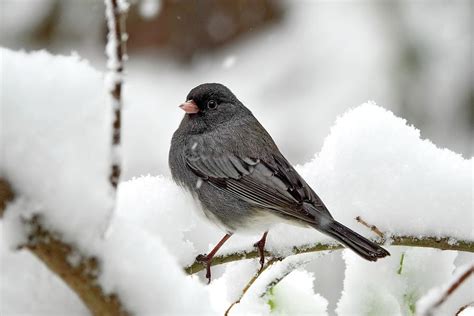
column 207, row 259
column 261, row 249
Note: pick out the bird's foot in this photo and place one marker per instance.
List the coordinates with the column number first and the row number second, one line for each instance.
column 206, row 260
column 261, row 249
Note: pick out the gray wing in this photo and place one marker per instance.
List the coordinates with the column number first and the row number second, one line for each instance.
column 271, row 183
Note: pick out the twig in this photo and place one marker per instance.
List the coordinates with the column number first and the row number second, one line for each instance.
column 251, row 281
column 289, row 266
column 447, row 293
column 373, row 228
column 463, row 308
column 400, row 267
column 409, row 241
column 116, row 15
column 55, row 254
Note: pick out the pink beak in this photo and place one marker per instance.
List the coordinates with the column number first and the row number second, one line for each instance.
column 189, row 107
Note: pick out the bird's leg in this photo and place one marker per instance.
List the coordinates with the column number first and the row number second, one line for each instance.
column 207, row 259
column 261, row 248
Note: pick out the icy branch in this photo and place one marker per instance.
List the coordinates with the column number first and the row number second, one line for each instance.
column 81, row 276
column 408, row 241
column 116, row 14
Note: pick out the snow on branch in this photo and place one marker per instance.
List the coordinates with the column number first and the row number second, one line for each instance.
column 80, row 275
column 409, row 241
column 266, row 279
column 116, row 11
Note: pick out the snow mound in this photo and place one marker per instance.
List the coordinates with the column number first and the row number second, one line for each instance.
column 55, row 140
column 375, row 166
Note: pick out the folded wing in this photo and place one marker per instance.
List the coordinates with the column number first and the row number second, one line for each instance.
column 271, row 183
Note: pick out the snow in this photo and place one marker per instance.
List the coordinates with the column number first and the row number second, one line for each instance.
column 146, row 275
column 427, row 304
column 149, row 8
column 294, row 295
column 376, row 166
column 26, row 286
column 160, row 208
column 386, row 291
column 372, row 165
column 55, row 141
column 229, row 62
column 260, row 297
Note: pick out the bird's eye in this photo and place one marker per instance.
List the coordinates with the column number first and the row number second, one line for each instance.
column 212, row 104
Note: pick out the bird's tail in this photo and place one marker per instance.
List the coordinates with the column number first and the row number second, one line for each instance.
column 349, row 238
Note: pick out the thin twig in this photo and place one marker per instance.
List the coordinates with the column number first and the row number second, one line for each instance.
column 463, row 308
column 291, row 265
column 290, row 268
column 373, row 228
column 115, row 52
column 453, row 287
column 251, row 281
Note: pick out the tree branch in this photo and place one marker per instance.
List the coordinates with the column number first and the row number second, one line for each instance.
column 115, row 50
column 80, row 276
column 409, row 241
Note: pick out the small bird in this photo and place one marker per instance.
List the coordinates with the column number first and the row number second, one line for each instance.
column 232, row 166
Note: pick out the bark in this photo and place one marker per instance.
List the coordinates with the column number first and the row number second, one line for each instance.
column 55, row 254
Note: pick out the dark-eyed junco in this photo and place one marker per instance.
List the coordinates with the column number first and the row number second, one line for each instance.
column 229, row 162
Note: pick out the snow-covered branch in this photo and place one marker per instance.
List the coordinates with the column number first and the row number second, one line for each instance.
column 116, row 14
column 80, row 274
column 251, row 282
column 428, row 304
column 263, row 285
column 446, row 243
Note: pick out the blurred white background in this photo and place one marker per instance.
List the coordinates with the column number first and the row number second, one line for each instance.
column 297, row 65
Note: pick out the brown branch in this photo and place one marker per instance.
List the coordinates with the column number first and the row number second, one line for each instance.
column 56, row 255
column 408, row 241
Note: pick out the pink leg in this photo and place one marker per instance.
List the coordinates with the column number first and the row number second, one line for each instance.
column 261, row 248
column 207, row 259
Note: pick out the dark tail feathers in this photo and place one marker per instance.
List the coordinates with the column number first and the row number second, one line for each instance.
column 349, row 238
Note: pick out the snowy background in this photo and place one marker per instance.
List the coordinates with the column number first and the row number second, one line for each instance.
column 303, row 73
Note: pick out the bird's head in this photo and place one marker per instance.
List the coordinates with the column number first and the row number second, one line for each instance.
column 212, row 104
